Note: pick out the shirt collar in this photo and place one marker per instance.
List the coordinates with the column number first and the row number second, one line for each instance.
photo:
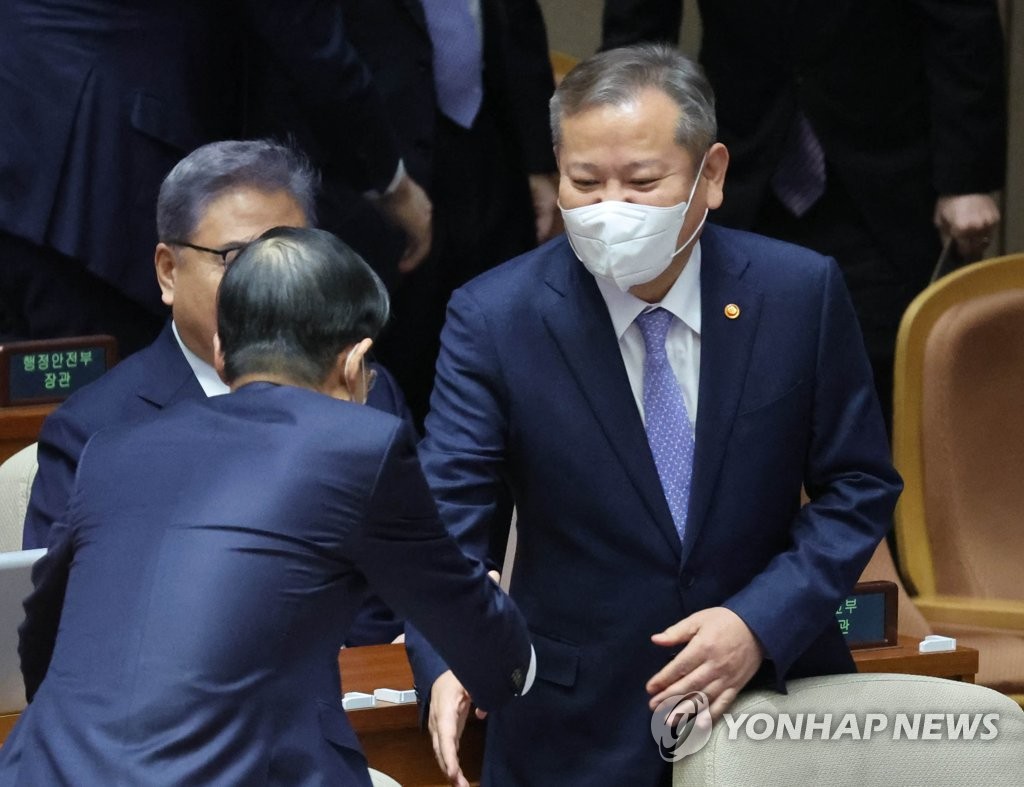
column 682, row 299
column 205, row 374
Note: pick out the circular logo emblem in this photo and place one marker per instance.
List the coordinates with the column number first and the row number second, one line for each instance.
column 681, row 725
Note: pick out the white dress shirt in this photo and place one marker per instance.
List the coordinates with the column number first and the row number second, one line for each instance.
column 206, row 375
column 682, row 343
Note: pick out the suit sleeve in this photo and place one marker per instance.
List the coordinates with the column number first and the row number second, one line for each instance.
column 61, row 441
column 416, row 566
column 965, row 69
column 376, row 623
column 626, row 22
column 463, row 453
column 308, row 43
column 37, row 635
column 852, row 488
column 387, row 395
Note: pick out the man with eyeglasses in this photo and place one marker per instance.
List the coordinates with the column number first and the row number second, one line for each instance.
column 247, row 527
column 212, row 203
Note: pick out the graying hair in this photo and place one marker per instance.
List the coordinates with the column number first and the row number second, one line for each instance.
column 292, row 301
column 618, row 76
column 209, row 171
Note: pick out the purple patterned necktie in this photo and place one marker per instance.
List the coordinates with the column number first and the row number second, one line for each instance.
column 458, row 59
column 668, row 425
column 799, row 179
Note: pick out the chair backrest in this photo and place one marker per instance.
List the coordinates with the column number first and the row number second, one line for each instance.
column 15, row 585
column 561, row 64
column 910, row 621
column 16, row 476
column 740, row 750
column 958, row 432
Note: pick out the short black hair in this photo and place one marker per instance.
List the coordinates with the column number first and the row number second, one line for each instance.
column 292, row 300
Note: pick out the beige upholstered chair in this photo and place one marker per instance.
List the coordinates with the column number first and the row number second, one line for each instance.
column 847, row 761
column 379, row 779
column 958, row 441
column 910, row 621
column 16, row 476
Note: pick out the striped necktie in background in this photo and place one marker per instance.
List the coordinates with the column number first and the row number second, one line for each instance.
column 458, row 59
column 799, row 179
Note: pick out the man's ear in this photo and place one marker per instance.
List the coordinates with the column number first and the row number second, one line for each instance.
column 714, row 172
column 353, row 370
column 164, row 260
column 218, row 359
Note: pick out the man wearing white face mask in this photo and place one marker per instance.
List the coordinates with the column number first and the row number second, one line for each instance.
column 652, row 392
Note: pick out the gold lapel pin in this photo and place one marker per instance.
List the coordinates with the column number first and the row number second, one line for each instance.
column 732, row 311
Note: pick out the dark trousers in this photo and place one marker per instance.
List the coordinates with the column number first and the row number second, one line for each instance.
column 45, row 295
column 881, row 287
column 483, row 216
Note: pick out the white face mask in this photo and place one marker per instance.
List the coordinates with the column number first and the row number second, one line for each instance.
column 629, row 244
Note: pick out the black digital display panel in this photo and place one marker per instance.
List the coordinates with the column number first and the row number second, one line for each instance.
column 53, row 369
column 867, row 618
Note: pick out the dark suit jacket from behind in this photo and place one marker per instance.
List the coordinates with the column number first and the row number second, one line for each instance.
column 139, row 388
column 907, row 99
column 532, row 397
column 136, row 389
column 246, row 528
column 102, row 97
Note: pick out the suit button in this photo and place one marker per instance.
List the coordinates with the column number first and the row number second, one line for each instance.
column 423, row 65
column 686, row 579
column 518, row 679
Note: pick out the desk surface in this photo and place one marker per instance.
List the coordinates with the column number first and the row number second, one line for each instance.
column 19, row 426
column 390, row 734
column 959, row 664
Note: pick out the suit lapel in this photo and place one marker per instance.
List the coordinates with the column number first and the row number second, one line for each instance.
column 577, row 318
column 173, row 379
column 725, row 358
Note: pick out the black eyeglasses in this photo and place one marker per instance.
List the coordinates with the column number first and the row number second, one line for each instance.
column 227, row 254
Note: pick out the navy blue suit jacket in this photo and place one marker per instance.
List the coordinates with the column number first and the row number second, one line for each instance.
column 102, row 97
column 138, row 388
column 211, row 561
column 532, row 397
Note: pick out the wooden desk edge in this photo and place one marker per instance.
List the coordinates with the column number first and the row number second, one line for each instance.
column 960, row 664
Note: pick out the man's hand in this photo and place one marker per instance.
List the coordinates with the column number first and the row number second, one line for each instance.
column 409, row 207
column 544, row 193
column 720, row 656
column 449, row 707
column 970, row 219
